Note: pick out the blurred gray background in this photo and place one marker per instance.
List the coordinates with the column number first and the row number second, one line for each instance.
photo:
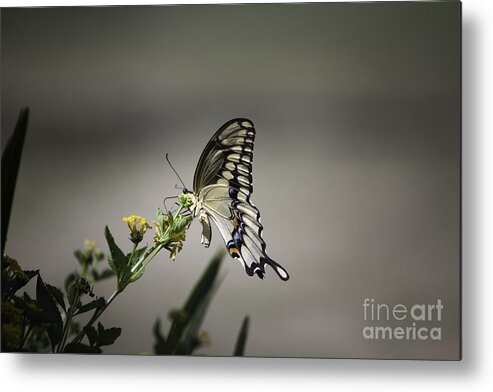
column 356, row 167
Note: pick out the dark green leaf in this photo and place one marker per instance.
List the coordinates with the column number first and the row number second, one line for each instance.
column 47, row 303
column 81, row 348
column 97, row 303
column 105, row 274
column 107, row 336
column 242, row 338
column 80, row 256
column 11, row 159
column 205, row 283
column 117, row 259
column 69, row 283
column 182, row 332
column 160, row 342
column 189, row 342
column 32, row 312
column 92, row 334
column 56, row 294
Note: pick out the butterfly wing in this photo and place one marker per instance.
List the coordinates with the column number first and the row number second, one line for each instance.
column 223, row 185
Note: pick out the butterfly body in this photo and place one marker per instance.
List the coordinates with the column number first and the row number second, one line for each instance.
column 222, row 188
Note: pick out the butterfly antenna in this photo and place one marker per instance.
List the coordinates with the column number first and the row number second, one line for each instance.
column 177, row 175
column 166, row 199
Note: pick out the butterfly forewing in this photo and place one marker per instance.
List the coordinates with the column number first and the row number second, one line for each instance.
column 229, row 151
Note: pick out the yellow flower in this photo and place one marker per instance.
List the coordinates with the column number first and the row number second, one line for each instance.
column 138, row 226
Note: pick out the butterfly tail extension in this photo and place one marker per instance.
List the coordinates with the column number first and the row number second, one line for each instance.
column 280, row 271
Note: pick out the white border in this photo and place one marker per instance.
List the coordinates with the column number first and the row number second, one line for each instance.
column 127, row 373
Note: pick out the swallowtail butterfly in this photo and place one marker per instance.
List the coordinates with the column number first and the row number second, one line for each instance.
column 222, row 187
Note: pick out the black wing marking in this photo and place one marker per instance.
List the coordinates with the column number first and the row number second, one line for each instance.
column 242, row 235
column 223, row 182
column 228, row 155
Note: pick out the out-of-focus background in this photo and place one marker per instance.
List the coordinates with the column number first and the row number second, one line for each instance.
column 356, row 167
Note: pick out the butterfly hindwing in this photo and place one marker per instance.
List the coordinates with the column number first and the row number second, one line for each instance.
column 223, row 187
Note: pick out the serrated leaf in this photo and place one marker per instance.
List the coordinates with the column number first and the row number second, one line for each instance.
column 92, row 335
column 97, row 303
column 105, row 274
column 81, row 348
column 107, row 336
column 118, row 261
column 11, row 158
column 57, row 295
column 242, row 337
column 47, row 303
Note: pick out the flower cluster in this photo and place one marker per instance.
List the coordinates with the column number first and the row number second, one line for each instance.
column 138, row 226
column 171, row 232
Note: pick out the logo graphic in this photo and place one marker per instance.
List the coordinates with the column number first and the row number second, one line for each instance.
column 401, row 322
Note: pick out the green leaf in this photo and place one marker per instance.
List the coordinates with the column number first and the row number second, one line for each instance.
column 204, row 284
column 160, row 342
column 107, row 336
column 11, row 159
column 170, row 219
column 137, row 274
column 92, row 334
column 56, row 294
column 102, row 336
column 137, row 255
column 69, row 283
column 81, row 348
column 117, row 259
column 242, row 338
column 105, row 274
column 80, row 256
column 96, row 304
column 181, row 223
column 183, row 332
column 31, row 311
column 47, row 303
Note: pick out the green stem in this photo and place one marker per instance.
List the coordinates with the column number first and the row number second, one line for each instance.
column 70, row 314
column 95, row 316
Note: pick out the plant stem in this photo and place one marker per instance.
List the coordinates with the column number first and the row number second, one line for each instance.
column 70, row 314
column 95, row 316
